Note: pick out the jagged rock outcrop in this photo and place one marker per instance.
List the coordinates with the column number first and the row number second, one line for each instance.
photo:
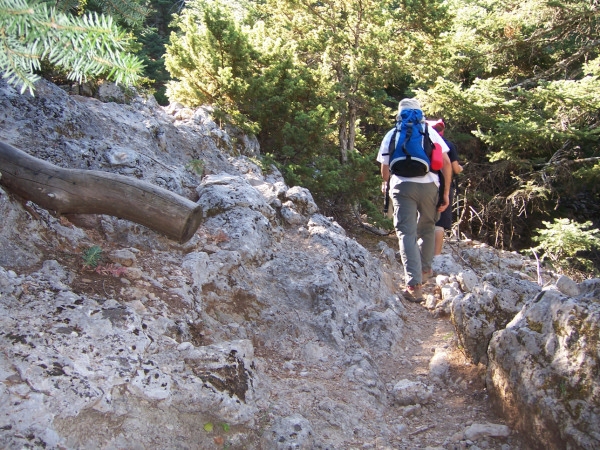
column 489, row 307
column 544, row 367
column 542, row 344
column 165, row 338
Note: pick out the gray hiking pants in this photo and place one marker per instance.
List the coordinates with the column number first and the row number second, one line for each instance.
column 415, row 215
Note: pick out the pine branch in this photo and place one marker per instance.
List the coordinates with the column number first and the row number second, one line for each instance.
column 89, row 45
column 131, row 12
column 19, row 62
column 561, row 65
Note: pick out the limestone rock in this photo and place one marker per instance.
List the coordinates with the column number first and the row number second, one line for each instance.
column 290, row 432
column 439, row 366
column 489, row 308
column 567, row 286
column 479, row 430
column 408, row 392
column 543, row 370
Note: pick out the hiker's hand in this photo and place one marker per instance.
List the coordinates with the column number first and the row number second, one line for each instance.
column 444, row 204
column 384, row 187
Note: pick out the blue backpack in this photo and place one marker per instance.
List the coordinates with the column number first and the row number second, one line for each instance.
column 411, row 155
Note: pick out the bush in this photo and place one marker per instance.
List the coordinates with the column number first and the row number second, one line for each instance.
column 565, row 244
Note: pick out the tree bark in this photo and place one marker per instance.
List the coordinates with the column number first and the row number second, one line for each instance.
column 343, row 137
column 75, row 191
column 351, row 127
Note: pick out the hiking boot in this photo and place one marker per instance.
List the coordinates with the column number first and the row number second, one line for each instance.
column 413, row 294
column 427, row 275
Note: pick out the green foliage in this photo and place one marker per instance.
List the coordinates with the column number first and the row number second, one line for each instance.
column 355, row 50
column 266, row 162
column 211, row 57
column 521, row 79
column 523, row 125
column 151, row 54
column 522, row 51
column 196, row 166
column 91, row 256
column 563, row 241
column 588, row 178
column 87, row 45
column 516, row 98
column 564, row 238
column 128, row 13
column 209, row 427
column 306, row 78
column 254, row 82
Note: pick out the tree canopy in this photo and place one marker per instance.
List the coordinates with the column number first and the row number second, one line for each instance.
column 522, row 79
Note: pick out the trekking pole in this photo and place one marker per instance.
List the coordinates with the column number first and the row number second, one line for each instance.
column 457, row 210
column 386, row 200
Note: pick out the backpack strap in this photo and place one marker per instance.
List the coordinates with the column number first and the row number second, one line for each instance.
column 427, row 142
column 428, row 146
column 406, row 139
column 391, row 145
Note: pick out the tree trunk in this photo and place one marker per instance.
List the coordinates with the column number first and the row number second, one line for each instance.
column 347, row 132
column 343, row 137
column 351, row 127
column 74, row 191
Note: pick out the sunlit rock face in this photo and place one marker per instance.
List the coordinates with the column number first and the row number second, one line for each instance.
column 544, row 366
column 159, row 344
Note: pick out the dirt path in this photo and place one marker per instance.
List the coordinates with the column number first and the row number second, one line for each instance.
column 459, row 399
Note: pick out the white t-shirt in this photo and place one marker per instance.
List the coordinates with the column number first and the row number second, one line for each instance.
column 429, row 177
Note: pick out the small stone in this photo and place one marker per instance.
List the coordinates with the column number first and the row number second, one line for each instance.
column 567, row 286
column 478, row 431
column 185, row 346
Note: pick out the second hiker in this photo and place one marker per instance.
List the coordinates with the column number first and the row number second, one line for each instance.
column 414, row 187
column 445, row 221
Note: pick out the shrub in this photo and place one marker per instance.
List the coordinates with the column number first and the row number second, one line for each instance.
column 565, row 243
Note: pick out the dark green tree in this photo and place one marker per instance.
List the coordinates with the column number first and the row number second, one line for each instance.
column 222, row 57
column 210, row 58
column 521, row 79
column 356, row 49
column 153, row 38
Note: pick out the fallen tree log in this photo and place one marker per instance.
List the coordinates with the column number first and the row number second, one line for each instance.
column 75, row 191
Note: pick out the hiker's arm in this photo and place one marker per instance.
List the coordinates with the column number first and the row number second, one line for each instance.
column 447, row 171
column 456, row 167
column 385, row 174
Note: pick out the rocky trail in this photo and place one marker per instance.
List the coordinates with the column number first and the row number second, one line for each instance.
column 455, row 412
column 460, row 414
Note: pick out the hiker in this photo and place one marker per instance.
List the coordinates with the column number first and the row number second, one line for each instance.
column 445, row 222
column 415, row 198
